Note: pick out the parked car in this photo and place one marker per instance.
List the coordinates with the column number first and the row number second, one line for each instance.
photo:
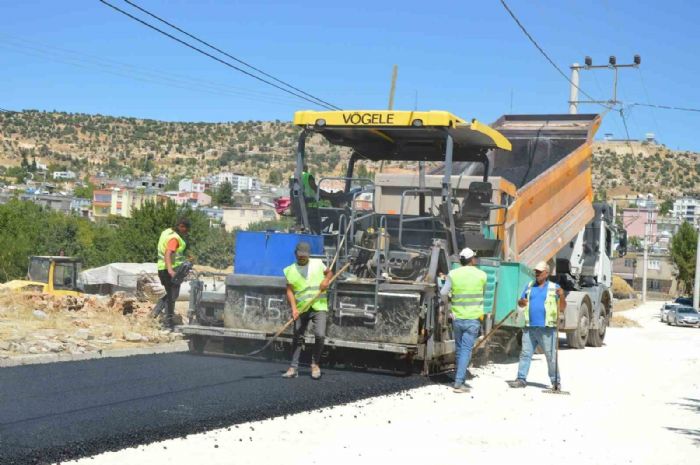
column 686, row 301
column 665, row 308
column 684, row 316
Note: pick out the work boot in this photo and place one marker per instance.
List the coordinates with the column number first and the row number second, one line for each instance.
column 517, row 383
column 556, row 387
column 315, row 372
column 291, row 373
column 460, row 389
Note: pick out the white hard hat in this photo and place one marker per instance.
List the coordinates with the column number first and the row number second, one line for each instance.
column 542, row 266
column 466, row 253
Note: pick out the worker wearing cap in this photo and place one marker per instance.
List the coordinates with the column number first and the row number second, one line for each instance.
column 467, row 284
column 541, row 302
column 171, row 255
column 305, row 279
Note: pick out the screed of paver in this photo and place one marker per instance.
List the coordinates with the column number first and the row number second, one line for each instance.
column 635, row 400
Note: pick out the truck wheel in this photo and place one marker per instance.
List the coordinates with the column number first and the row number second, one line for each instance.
column 596, row 336
column 196, row 344
column 578, row 338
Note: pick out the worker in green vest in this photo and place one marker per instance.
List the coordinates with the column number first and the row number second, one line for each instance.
column 310, row 188
column 305, row 279
column 466, row 285
column 540, row 304
column 171, row 255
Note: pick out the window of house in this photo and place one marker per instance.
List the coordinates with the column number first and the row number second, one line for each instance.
column 654, row 265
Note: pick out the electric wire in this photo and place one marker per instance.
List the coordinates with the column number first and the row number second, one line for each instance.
column 546, row 55
column 323, row 102
column 203, row 52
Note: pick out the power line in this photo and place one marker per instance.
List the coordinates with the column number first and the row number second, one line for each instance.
column 665, row 107
column 227, row 54
column 150, row 26
column 544, row 53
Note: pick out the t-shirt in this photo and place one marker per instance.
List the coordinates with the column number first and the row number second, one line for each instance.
column 537, row 297
column 303, row 270
column 172, row 246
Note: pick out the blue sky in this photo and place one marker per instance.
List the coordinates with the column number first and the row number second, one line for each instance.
column 467, row 57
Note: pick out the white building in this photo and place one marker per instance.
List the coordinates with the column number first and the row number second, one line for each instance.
column 241, row 217
column 239, row 182
column 65, row 175
column 191, row 185
column 687, row 209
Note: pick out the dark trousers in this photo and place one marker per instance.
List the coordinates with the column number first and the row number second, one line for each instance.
column 300, row 326
column 167, row 302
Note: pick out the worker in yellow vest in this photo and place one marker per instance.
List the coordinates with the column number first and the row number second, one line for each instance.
column 171, row 255
column 467, row 284
column 305, row 279
column 540, row 304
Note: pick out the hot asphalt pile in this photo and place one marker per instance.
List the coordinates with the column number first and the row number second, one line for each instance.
column 60, row 411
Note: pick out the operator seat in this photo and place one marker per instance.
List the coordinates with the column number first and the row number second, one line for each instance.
column 472, row 209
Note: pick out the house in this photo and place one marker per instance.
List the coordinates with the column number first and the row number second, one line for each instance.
column 660, row 272
column 120, row 201
column 641, row 222
column 687, row 209
column 242, row 217
column 193, row 199
column 191, row 185
column 64, row 175
column 239, row 182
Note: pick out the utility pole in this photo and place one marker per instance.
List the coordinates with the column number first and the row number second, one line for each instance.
column 573, row 94
column 696, row 287
column 394, row 74
column 645, row 262
column 612, row 65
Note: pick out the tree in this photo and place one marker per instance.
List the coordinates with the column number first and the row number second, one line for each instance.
column 666, row 207
column 683, row 249
column 275, row 177
column 223, row 194
column 635, row 243
column 84, row 191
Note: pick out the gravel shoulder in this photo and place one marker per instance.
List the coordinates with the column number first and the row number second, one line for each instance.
column 636, row 400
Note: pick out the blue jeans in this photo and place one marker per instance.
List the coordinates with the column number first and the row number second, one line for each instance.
column 546, row 338
column 465, row 333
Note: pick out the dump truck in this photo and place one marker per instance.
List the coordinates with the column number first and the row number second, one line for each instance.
column 517, row 192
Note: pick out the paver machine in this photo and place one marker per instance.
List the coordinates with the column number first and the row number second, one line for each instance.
column 516, row 192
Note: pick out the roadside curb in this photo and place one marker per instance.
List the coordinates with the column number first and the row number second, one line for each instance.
column 179, row 346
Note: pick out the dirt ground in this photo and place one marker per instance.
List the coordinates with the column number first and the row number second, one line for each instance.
column 33, row 324
column 636, row 400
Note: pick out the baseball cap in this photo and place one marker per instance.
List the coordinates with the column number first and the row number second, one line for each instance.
column 303, row 249
column 542, row 266
column 466, row 253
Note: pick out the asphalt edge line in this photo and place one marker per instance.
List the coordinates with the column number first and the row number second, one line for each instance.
column 19, row 360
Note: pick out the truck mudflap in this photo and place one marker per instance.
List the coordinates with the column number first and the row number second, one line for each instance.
column 214, row 331
column 356, row 315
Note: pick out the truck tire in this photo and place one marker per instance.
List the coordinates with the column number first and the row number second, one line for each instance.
column 596, row 336
column 578, row 338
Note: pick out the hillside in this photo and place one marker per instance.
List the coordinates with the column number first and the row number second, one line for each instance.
column 118, row 145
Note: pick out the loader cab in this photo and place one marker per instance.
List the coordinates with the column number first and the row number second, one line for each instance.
column 56, row 275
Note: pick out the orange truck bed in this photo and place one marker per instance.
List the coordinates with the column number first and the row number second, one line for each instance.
column 550, row 166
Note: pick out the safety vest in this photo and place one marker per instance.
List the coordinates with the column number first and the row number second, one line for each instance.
column 178, row 256
column 310, row 193
column 551, row 306
column 306, row 289
column 468, row 284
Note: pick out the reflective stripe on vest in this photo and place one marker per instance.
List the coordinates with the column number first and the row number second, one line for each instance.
column 306, row 289
column 177, row 257
column 468, row 284
column 550, row 305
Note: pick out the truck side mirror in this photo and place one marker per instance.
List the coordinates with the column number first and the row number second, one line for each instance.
column 622, row 244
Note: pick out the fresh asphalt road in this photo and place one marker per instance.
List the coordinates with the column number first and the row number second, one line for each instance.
column 60, row 411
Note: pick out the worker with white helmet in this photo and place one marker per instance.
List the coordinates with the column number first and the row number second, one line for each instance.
column 540, row 303
column 467, row 284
